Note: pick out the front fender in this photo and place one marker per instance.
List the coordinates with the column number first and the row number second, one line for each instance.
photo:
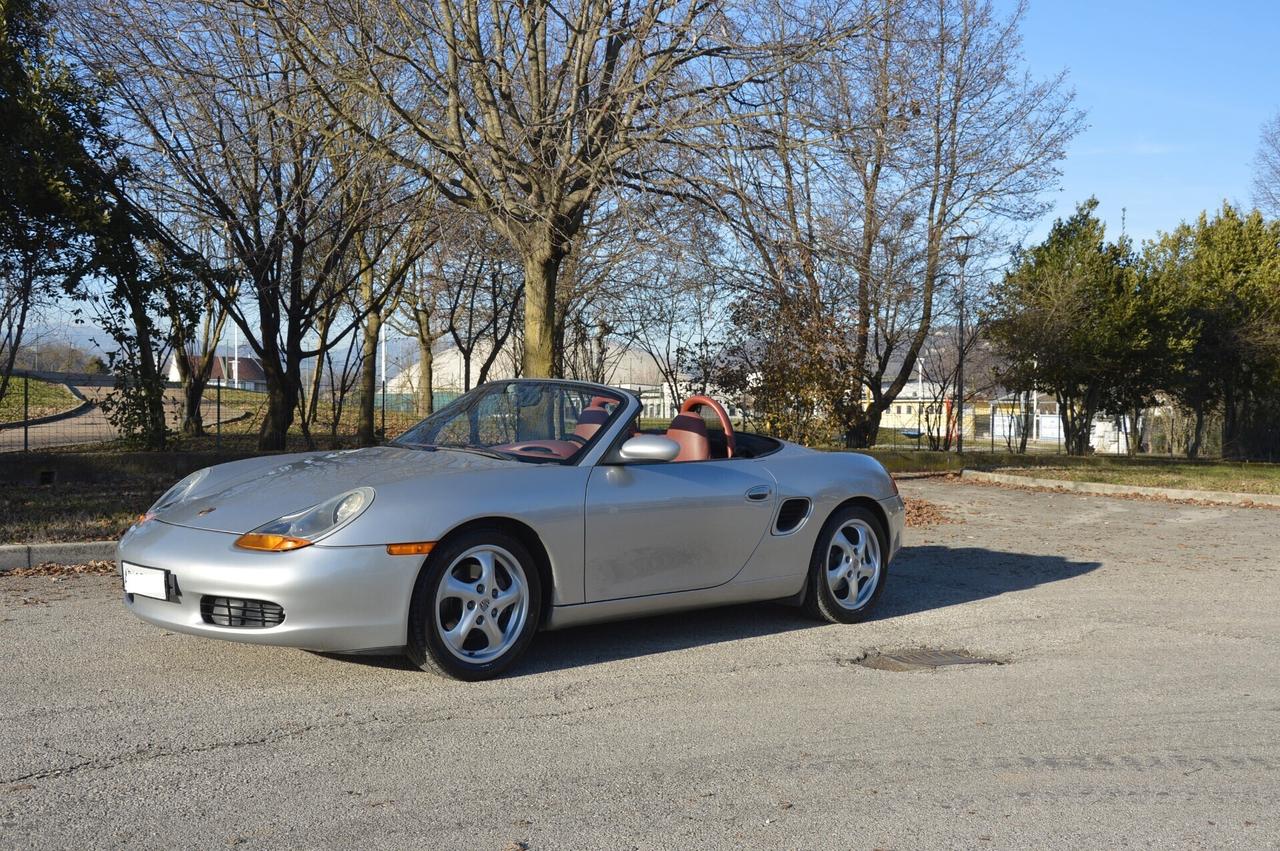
column 549, row 498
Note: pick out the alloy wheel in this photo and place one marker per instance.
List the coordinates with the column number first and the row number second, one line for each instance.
column 853, row 564
column 482, row 603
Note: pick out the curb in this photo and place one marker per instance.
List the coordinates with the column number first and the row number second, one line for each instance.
column 923, row 474
column 1102, row 489
column 14, row 556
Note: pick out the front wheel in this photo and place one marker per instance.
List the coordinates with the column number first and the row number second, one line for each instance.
column 849, row 567
column 475, row 607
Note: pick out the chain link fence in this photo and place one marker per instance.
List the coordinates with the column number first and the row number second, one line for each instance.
column 44, row 411
column 51, row 410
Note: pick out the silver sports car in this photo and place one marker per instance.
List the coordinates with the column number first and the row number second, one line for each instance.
column 522, row 505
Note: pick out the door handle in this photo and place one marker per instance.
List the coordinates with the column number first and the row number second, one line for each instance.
column 759, row 493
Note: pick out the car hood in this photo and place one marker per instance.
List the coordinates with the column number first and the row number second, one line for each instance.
column 243, row 495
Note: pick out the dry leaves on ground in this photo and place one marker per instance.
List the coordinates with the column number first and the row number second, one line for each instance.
column 91, row 568
column 1137, row 497
column 921, row 512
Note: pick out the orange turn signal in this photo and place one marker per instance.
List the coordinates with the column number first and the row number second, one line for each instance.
column 271, row 543
column 416, row 548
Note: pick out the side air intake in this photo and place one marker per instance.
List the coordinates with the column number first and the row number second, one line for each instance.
column 791, row 516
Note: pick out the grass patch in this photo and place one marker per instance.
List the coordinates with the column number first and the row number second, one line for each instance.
column 44, row 399
column 1220, row 476
column 79, row 512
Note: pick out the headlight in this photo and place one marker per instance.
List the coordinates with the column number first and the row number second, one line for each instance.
column 174, row 495
column 304, row 528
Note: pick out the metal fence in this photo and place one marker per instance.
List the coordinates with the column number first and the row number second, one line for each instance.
column 50, row 410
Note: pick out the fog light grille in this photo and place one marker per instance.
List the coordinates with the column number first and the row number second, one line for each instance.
column 233, row 611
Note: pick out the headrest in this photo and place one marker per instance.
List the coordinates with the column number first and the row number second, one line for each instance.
column 689, row 422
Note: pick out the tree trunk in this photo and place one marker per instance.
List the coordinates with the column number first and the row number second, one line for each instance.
column 317, row 386
column 284, row 385
column 192, row 396
column 1231, row 420
column 862, row 433
column 1028, row 423
column 1197, row 437
column 148, row 373
column 426, row 378
column 540, row 272
column 25, row 305
column 365, row 432
column 1070, row 425
column 192, row 390
column 426, row 363
column 310, row 409
column 1135, row 432
column 282, row 396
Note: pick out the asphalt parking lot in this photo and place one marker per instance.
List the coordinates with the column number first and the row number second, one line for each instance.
column 1138, row 704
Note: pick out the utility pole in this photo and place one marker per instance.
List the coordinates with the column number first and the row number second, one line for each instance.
column 963, row 241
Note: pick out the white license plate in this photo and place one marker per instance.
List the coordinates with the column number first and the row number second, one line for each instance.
column 145, row 581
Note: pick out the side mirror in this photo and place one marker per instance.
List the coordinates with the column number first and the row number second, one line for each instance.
column 649, row 447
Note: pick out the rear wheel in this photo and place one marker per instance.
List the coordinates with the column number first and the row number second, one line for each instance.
column 476, row 606
column 849, row 567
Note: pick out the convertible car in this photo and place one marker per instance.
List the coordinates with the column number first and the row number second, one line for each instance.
column 522, row 505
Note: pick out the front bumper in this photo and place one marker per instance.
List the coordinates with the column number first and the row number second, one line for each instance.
column 336, row 599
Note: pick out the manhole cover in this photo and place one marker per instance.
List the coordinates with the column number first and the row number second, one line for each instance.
column 921, row 660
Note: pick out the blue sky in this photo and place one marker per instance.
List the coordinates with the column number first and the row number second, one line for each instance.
column 1175, row 92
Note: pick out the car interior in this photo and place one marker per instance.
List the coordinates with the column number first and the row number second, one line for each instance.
column 703, row 430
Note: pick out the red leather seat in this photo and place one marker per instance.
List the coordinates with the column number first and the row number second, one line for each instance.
column 690, row 432
column 589, row 422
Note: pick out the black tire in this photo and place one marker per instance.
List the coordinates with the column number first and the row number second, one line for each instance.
column 820, row 601
column 426, row 647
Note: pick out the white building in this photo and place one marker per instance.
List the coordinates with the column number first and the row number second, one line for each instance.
column 241, row 373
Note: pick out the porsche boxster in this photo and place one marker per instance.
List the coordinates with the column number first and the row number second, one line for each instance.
column 520, row 506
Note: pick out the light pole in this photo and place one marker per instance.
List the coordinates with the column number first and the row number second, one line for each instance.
column 963, row 242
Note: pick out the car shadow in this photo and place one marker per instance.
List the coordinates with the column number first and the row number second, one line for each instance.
column 921, row 579
column 934, row 577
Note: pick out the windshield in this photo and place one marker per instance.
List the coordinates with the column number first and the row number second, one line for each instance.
column 525, row 420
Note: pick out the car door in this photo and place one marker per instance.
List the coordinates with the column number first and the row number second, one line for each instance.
column 676, row 526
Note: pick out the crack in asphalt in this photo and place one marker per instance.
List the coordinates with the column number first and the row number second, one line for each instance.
column 143, row 756
column 107, row 763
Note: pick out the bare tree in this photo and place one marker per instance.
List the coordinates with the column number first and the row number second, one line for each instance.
column 229, row 130
column 535, row 107
column 342, row 366
column 847, row 199
column 381, row 283
column 1266, row 170
column 195, row 349
column 673, row 303
column 418, row 315
column 482, row 294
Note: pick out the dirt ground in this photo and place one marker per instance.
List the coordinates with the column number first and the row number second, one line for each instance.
column 1137, row 702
